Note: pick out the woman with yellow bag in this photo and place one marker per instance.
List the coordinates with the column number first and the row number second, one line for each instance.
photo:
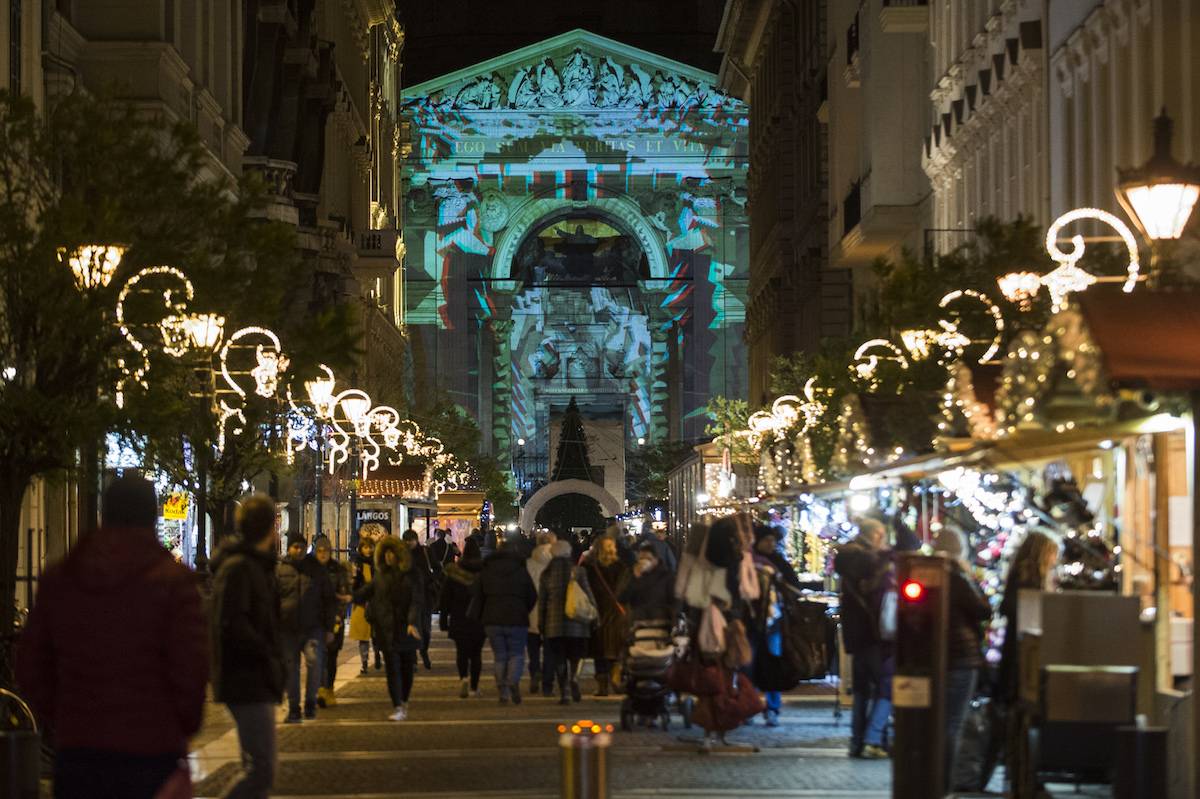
column 360, row 628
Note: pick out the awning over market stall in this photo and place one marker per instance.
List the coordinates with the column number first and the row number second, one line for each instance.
column 1147, row 339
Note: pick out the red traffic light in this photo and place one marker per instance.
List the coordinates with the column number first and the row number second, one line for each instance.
column 913, row 591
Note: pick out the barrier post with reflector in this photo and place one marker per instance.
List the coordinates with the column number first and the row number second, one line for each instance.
column 918, row 689
column 583, row 759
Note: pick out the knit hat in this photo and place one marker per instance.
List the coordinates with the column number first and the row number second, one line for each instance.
column 410, row 537
column 296, row 538
column 130, row 501
column 322, row 542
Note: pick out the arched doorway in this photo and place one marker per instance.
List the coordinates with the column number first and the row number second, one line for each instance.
column 560, row 488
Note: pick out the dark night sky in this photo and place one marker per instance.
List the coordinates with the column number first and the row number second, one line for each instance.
column 445, row 35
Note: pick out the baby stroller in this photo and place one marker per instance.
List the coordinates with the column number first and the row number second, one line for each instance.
column 649, row 653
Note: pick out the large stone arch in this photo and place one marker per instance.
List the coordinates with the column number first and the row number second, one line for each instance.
column 560, row 487
column 621, row 208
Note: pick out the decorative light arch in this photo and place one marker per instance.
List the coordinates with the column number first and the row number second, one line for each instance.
column 621, row 208
column 560, row 487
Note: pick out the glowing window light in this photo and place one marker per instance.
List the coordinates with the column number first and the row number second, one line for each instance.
column 93, row 265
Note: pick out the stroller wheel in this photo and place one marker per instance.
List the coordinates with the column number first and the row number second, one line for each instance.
column 686, row 706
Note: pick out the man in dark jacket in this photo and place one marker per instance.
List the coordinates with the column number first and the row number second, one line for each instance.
column 339, row 579
column 248, row 672
column 114, row 657
column 307, row 609
column 864, row 567
column 506, row 596
column 423, row 571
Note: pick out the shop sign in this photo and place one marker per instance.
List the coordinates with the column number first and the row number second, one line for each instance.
column 373, row 523
column 175, row 506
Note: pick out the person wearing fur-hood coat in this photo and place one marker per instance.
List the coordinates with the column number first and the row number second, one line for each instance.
column 395, row 607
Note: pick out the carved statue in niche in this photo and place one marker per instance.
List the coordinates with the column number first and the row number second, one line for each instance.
column 549, row 85
column 522, row 92
column 610, row 84
column 493, row 211
column 482, row 93
column 638, row 92
column 578, row 76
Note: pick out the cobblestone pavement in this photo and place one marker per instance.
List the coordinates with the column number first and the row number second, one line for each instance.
column 476, row 747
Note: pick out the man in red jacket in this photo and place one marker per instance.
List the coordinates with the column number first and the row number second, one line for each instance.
column 114, row 658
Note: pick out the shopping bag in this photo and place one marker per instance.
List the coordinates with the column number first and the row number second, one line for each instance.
column 696, row 678
column 711, row 637
column 579, row 606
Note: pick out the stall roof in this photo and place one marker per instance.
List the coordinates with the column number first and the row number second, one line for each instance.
column 1149, row 339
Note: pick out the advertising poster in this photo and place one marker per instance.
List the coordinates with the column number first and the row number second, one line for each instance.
column 373, row 523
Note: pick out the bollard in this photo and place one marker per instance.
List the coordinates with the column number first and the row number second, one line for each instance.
column 20, row 753
column 583, row 760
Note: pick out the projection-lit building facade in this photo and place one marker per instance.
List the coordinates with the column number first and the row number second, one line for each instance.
column 575, row 226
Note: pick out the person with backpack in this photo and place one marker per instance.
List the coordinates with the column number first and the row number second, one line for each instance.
column 307, row 610
column 865, row 568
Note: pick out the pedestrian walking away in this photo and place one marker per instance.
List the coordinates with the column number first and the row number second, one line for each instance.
column 538, row 560
column 465, row 629
column 865, row 570
column 423, row 569
column 506, row 595
column 607, row 575
column 248, row 663
column 565, row 638
column 775, row 576
column 114, row 655
column 339, row 578
column 395, row 602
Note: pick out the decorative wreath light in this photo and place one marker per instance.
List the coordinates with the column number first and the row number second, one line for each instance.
column 174, row 307
column 865, row 366
column 1068, row 277
column 269, row 363
column 951, row 334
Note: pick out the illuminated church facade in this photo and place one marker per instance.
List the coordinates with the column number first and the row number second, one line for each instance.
column 575, row 226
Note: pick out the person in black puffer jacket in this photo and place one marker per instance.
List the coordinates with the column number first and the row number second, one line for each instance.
column 969, row 609
column 454, row 605
column 395, row 602
column 506, row 595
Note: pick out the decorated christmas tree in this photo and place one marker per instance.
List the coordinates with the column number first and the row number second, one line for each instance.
column 571, row 462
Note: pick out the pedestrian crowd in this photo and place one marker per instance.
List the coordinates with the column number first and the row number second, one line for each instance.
column 725, row 619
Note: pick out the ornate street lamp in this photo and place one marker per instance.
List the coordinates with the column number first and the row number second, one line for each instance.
column 320, row 394
column 92, row 264
column 1160, row 194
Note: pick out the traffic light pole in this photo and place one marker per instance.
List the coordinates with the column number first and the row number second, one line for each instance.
column 919, row 687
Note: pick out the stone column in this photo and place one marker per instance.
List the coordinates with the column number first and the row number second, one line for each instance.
column 660, row 333
column 502, row 376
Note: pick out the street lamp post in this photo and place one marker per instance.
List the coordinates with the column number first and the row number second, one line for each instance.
column 320, row 394
column 203, row 333
column 357, row 406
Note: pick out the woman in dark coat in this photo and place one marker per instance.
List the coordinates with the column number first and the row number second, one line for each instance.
column 466, row 632
column 423, row 568
column 771, row 673
column 395, row 607
column 607, row 575
column 565, row 639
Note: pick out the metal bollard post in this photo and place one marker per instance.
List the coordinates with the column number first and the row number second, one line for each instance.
column 583, row 760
